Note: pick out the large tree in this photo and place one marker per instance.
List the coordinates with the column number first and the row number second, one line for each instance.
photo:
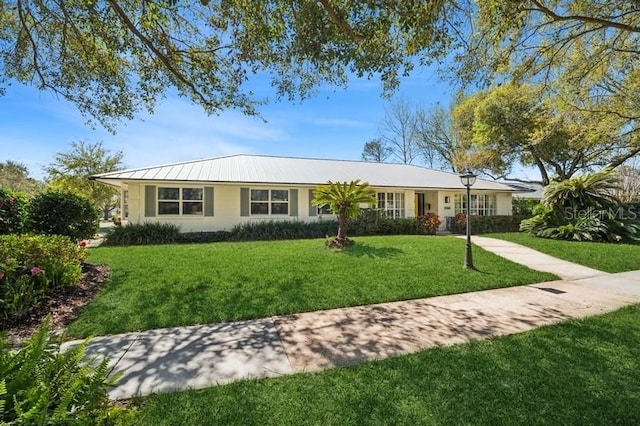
column 585, row 52
column 436, row 140
column 375, row 151
column 398, row 130
column 112, row 58
column 518, row 124
column 71, row 171
column 15, row 177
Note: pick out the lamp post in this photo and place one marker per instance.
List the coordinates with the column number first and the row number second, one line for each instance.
column 468, row 179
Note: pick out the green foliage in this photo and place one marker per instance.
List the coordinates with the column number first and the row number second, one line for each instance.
column 282, row 230
column 13, row 212
column 142, row 233
column 376, row 222
column 113, row 58
column 55, row 212
column 34, row 266
column 375, row 151
column 15, row 177
column 484, row 224
column 42, row 385
column 523, row 207
column 71, row 171
column 583, row 209
column 344, row 199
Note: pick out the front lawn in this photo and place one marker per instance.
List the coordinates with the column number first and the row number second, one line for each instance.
column 162, row 286
column 606, row 257
column 581, row 372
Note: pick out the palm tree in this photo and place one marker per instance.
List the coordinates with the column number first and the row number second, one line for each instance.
column 344, row 199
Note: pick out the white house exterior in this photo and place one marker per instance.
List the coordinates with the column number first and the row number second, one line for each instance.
column 218, row 193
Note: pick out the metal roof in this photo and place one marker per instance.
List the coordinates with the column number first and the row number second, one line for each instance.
column 261, row 169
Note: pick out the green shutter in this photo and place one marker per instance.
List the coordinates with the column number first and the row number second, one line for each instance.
column 149, row 200
column 313, row 211
column 293, row 202
column 208, row 200
column 244, row 201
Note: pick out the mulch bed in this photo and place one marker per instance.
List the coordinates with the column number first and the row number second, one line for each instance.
column 63, row 307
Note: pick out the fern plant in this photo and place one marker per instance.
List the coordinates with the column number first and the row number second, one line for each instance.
column 43, row 385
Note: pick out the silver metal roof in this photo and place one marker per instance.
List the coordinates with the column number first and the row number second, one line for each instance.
column 261, row 169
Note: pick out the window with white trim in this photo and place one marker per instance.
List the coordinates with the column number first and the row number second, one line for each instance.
column 323, row 210
column 269, row 202
column 481, row 204
column 392, row 203
column 178, row 201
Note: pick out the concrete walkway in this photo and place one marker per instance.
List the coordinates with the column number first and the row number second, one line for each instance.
column 202, row 356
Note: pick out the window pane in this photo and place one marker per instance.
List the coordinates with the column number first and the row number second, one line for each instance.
column 279, row 195
column 381, row 200
column 324, row 209
column 259, row 195
column 259, row 208
column 279, row 208
column 168, row 207
column 192, row 193
column 192, row 207
column 168, row 193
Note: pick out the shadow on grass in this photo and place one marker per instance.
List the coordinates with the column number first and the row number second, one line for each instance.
column 365, row 250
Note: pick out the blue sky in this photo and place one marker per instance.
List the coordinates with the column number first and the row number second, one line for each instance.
column 335, row 123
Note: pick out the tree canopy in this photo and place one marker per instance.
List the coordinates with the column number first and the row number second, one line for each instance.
column 15, row 177
column 71, row 171
column 516, row 123
column 114, row 58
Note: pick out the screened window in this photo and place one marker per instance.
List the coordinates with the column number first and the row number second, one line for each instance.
column 269, row 202
column 392, row 203
column 180, row 201
column 481, row 204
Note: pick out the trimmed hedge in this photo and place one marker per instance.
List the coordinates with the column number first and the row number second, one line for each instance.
column 486, row 224
column 371, row 222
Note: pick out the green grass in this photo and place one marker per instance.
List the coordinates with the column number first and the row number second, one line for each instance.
column 161, row 286
column 603, row 256
column 581, row 372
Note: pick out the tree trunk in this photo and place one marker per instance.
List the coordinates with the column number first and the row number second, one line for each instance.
column 342, row 227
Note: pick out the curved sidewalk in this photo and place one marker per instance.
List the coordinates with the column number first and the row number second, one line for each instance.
column 179, row 358
column 535, row 260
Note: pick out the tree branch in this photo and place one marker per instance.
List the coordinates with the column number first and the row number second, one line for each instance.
column 341, row 23
column 590, row 19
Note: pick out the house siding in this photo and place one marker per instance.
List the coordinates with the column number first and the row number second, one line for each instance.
column 227, row 205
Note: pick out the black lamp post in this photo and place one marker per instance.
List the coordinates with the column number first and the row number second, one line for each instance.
column 468, row 179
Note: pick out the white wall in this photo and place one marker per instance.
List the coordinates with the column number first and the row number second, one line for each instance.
column 227, row 206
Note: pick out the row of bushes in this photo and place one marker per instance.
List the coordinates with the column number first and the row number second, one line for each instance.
column 51, row 212
column 371, row 222
column 485, row 224
column 33, row 267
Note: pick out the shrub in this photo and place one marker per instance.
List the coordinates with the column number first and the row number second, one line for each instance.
column 133, row 234
column 13, row 212
column 63, row 213
column 376, row 222
column 40, row 384
column 283, row 230
column 34, row 266
column 431, row 222
column 584, row 209
column 485, row 224
column 205, row 237
column 522, row 208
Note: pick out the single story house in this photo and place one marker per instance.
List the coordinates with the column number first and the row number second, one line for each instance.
column 218, row 193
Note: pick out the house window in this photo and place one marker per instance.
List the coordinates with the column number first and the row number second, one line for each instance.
column 392, row 203
column 481, row 204
column 180, row 201
column 269, row 202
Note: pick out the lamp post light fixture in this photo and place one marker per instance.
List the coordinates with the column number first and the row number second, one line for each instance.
column 468, row 179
